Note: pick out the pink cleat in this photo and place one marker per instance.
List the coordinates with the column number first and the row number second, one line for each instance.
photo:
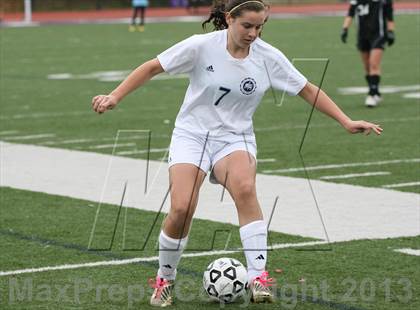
column 260, row 288
column 162, row 295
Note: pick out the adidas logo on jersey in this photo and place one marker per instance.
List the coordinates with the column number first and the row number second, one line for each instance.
column 210, row 68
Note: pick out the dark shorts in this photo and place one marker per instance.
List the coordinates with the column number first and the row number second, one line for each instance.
column 367, row 44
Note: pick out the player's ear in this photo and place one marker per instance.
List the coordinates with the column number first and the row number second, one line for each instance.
column 229, row 19
column 266, row 19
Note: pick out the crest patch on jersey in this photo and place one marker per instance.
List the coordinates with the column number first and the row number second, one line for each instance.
column 248, row 86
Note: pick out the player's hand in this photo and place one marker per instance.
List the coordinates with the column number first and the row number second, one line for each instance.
column 363, row 127
column 102, row 103
column 344, row 34
column 390, row 37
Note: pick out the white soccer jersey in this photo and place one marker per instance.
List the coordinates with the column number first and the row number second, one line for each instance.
column 224, row 91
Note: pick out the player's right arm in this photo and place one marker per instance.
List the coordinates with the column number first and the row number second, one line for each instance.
column 138, row 77
column 389, row 15
column 347, row 22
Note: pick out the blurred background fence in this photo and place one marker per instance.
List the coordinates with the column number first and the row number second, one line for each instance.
column 14, row 6
column 74, row 5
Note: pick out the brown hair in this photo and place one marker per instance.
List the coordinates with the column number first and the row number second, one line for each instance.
column 234, row 7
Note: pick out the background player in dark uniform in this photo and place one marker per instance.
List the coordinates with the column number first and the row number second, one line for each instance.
column 375, row 29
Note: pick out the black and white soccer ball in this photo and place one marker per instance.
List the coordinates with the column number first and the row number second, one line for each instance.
column 225, row 279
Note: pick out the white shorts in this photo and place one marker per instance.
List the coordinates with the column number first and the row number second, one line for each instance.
column 205, row 151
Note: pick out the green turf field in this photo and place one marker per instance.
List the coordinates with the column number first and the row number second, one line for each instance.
column 39, row 230
column 35, row 106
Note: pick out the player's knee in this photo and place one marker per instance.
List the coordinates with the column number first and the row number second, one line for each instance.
column 374, row 67
column 367, row 68
column 245, row 189
column 181, row 209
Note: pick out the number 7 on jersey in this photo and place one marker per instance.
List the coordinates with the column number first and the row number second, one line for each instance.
column 225, row 92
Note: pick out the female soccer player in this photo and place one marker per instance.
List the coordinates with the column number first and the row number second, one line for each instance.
column 138, row 6
column 376, row 27
column 230, row 69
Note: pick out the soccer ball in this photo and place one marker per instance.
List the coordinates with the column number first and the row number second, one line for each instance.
column 225, row 279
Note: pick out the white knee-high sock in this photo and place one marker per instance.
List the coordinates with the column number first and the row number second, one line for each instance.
column 254, row 242
column 170, row 251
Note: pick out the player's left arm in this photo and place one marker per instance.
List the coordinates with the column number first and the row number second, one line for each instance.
column 313, row 95
column 348, row 20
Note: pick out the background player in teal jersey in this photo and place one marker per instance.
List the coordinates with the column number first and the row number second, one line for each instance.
column 139, row 6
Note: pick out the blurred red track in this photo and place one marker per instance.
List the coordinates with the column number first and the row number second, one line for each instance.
column 74, row 16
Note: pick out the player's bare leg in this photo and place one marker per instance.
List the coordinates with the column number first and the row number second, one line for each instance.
column 374, row 69
column 240, row 168
column 375, row 59
column 132, row 27
column 185, row 181
column 365, row 60
column 370, row 100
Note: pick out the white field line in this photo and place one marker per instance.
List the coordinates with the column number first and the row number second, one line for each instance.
column 386, row 89
column 354, row 175
column 110, row 76
column 147, row 259
column 332, row 124
column 71, row 141
column 44, row 114
column 170, row 77
column 79, row 113
column 352, row 214
column 77, row 141
column 408, row 251
column 412, row 95
column 142, row 151
column 109, row 146
column 8, row 132
column 401, row 185
column 266, row 160
column 40, row 136
column 262, row 129
column 337, row 166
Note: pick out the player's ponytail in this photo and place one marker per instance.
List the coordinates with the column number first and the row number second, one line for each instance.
column 234, row 7
column 217, row 16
